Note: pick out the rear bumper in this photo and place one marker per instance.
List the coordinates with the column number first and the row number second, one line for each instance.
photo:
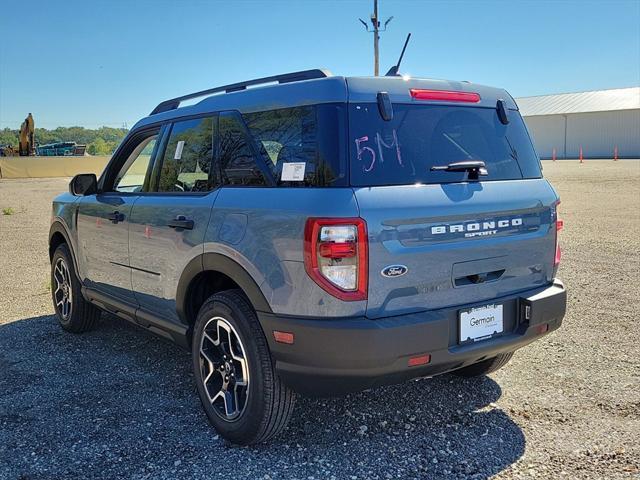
column 337, row 356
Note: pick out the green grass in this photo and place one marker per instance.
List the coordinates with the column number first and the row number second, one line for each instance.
column 8, row 211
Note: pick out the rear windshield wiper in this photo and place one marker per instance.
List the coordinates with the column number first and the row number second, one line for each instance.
column 476, row 168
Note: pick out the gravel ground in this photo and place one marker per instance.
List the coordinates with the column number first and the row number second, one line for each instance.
column 120, row 403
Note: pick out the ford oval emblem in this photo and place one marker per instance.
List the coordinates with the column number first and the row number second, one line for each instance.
column 394, row 271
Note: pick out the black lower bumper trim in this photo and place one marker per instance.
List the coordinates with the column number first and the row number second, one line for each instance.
column 336, row 356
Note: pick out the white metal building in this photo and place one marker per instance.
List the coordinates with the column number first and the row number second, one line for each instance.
column 597, row 121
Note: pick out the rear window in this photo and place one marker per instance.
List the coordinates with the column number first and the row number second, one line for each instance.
column 403, row 150
column 303, row 146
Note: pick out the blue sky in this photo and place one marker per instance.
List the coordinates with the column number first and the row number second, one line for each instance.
column 94, row 63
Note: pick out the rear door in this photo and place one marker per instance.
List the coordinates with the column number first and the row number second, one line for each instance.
column 168, row 224
column 440, row 239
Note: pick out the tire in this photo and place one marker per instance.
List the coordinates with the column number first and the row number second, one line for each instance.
column 243, row 414
column 484, row 367
column 74, row 313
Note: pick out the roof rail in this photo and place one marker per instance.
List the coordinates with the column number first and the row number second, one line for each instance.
column 174, row 103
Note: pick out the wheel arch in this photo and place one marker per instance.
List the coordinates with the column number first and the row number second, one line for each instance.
column 57, row 236
column 217, row 272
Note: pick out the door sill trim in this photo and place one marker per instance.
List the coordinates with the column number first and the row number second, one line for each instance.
column 175, row 332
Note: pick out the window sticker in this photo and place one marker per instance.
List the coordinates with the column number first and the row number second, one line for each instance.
column 293, row 171
column 179, row 147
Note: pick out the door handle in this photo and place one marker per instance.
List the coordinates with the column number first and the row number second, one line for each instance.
column 181, row 222
column 116, row 217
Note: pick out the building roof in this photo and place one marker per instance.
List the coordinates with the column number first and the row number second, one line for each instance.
column 582, row 102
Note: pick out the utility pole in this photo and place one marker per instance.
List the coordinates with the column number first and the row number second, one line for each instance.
column 376, row 39
column 376, row 35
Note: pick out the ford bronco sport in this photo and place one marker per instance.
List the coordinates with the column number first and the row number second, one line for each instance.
column 317, row 234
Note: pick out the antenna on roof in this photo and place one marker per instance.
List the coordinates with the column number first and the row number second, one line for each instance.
column 393, row 71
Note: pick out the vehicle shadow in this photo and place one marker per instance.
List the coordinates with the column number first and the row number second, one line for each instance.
column 121, row 402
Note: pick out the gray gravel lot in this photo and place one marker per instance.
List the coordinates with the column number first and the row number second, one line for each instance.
column 120, row 403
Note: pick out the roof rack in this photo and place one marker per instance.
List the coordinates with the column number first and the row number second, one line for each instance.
column 174, row 103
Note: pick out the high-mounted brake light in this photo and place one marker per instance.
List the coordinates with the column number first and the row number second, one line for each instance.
column 336, row 256
column 445, row 95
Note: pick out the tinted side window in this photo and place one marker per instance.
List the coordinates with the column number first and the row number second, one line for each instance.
column 309, row 137
column 237, row 162
column 188, row 157
column 132, row 175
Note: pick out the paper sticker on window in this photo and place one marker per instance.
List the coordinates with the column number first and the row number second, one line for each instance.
column 293, row 172
column 179, row 147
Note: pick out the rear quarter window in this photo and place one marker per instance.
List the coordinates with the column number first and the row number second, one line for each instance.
column 403, row 150
column 238, row 164
column 310, row 136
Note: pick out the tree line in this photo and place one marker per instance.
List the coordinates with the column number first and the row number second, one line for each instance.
column 99, row 141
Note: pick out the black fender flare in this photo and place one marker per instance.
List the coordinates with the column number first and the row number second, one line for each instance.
column 58, row 227
column 216, row 262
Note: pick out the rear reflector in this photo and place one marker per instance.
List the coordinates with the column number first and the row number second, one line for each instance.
column 544, row 328
column 445, row 95
column 283, row 337
column 420, row 360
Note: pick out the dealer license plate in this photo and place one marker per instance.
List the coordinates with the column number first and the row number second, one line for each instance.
column 480, row 323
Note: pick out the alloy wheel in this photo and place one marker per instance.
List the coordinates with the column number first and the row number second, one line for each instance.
column 224, row 368
column 63, row 292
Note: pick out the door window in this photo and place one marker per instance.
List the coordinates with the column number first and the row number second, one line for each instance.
column 132, row 174
column 186, row 164
column 237, row 161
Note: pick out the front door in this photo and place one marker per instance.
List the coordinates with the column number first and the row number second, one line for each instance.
column 104, row 218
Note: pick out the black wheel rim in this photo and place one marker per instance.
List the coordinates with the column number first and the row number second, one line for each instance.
column 224, row 369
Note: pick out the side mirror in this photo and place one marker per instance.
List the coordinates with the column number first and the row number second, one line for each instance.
column 83, row 184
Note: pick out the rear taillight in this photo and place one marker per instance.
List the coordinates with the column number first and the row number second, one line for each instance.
column 336, row 257
column 444, row 95
column 559, row 226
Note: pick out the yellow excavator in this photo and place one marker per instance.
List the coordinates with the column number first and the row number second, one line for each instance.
column 27, row 144
column 26, row 141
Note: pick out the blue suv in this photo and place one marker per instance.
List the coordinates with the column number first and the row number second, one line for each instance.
column 317, row 234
